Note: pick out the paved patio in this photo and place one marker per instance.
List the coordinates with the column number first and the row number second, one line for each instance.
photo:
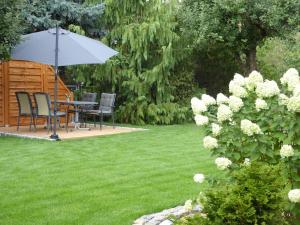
column 42, row 133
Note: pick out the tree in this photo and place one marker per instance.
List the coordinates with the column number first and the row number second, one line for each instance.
column 43, row 14
column 277, row 54
column 144, row 34
column 240, row 25
column 10, row 27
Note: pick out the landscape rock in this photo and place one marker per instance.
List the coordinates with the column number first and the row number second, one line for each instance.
column 162, row 218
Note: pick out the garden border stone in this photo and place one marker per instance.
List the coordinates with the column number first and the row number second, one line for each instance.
column 163, row 217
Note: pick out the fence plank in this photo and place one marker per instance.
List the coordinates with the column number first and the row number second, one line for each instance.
column 24, row 76
column 1, row 96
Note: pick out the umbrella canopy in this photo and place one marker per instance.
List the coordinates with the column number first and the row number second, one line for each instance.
column 61, row 47
column 73, row 49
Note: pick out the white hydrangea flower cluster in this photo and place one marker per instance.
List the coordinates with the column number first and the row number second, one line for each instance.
column 208, row 100
column 239, row 79
column 198, row 106
column 296, row 91
column 199, row 178
column 267, row 89
column 224, row 113
column 294, row 195
column 250, row 128
column 283, row 99
column 293, row 104
column 216, row 129
column 290, row 78
column 253, row 79
column 222, row 99
column 235, row 103
column 223, row 163
column 237, row 90
column 201, row 120
column 210, row 142
column 247, row 162
column 201, row 199
column 260, row 104
column 188, row 205
column 286, row 151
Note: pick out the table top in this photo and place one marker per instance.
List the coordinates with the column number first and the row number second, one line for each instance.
column 76, row 102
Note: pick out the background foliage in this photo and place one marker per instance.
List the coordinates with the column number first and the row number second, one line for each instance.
column 277, row 54
column 10, row 26
column 144, row 34
column 44, row 14
column 168, row 49
column 226, row 34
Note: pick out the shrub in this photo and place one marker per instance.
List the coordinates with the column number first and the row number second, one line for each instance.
column 258, row 122
column 141, row 111
column 254, row 195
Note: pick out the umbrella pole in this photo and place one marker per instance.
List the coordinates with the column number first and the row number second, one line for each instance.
column 54, row 136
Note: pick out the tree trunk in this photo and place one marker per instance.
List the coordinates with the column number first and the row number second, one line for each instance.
column 251, row 60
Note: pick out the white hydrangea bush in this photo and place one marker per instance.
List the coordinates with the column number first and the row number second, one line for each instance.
column 258, row 121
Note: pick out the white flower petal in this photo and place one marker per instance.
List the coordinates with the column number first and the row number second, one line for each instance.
column 250, row 128
column 223, row 163
column 199, row 178
column 198, row 106
column 224, row 113
column 216, row 129
column 260, row 104
column 286, row 151
column 201, row 120
column 294, row 195
column 235, row 103
column 210, row 142
column 208, row 100
column 267, row 89
column 222, row 99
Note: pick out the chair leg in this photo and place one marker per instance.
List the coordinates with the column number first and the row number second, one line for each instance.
column 113, row 120
column 94, row 120
column 51, row 122
column 18, row 122
column 58, row 121
column 48, row 123
column 79, row 119
column 67, row 122
column 30, row 122
column 99, row 117
column 101, row 120
column 34, row 122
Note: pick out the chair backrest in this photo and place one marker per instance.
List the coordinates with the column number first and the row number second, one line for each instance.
column 107, row 101
column 24, row 103
column 89, row 97
column 42, row 103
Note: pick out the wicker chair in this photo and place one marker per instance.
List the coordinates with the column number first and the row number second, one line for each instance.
column 106, row 108
column 43, row 109
column 25, row 107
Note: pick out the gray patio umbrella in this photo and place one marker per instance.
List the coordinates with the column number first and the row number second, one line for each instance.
column 59, row 47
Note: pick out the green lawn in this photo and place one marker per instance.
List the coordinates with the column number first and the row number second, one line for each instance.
column 107, row 180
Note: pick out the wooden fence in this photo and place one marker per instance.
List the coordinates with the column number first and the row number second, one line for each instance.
column 24, row 76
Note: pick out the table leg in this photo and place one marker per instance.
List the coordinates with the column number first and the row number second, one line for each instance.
column 77, row 122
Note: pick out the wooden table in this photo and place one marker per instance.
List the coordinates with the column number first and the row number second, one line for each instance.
column 77, row 105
